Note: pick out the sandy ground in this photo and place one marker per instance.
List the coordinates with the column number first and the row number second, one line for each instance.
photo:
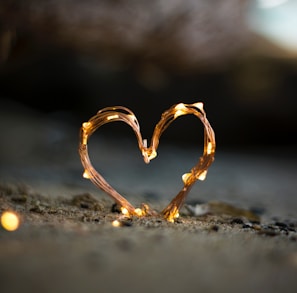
column 67, row 243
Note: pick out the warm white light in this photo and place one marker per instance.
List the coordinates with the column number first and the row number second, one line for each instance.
column 86, row 175
column 86, row 125
column 202, row 176
column 209, row 148
column 10, row 221
column 180, row 106
column 148, row 155
column 152, row 155
column 180, row 110
column 138, row 212
column 185, row 177
column 116, row 223
column 112, row 117
column 178, row 113
column 199, row 105
column 124, row 211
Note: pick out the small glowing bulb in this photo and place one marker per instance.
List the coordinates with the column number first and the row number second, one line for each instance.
column 139, row 212
column 202, row 176
column 112, row 117
column 87, row 125
column 180, row 110
column 124, row 211
column 86, row 175
column 180, row 106
column 199, row 106
column 148, row 156
column 209, row 148
column 116, row 223
column 152, row 155
column 173, row 215
column 10, row 221
column 185, row 177
column 179, row 113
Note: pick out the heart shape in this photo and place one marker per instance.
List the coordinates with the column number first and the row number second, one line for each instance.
column 119, row 113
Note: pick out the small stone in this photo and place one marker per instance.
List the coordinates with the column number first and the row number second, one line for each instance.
column 115, row 208
column 84, row 205
column 214, row 228
column 281, row 224
column 126, row 223
column 87, row 201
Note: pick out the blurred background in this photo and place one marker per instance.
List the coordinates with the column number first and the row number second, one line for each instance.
column 238, row 57
column 62, row 61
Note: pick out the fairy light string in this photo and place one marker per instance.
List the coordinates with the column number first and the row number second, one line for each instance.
column 120, row 113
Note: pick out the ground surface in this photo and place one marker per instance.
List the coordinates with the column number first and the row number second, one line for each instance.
column 66, row 242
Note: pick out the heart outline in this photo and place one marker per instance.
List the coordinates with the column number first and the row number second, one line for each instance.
column 120, row 113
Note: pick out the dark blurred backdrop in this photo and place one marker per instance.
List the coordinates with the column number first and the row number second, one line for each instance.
column 70, row 58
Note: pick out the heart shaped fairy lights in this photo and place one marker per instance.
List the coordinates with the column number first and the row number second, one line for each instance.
column 119, row 113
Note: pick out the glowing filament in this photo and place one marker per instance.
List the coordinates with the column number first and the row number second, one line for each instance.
column 10, row 221
column 174, row 214
column 119, row 113
column 124, row 211
column 199, row 106
column 152, row 155
column 209, row 148
column 185, row 177
column 180, row 106
column 180, row 110
column 86, row 175
column 86, row 125
column 116, row 223
column 202, row 176
column 139, row 212
column 111, row 117
column 148, row 156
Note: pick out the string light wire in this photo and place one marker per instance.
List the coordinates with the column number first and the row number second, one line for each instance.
column 120, row 113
